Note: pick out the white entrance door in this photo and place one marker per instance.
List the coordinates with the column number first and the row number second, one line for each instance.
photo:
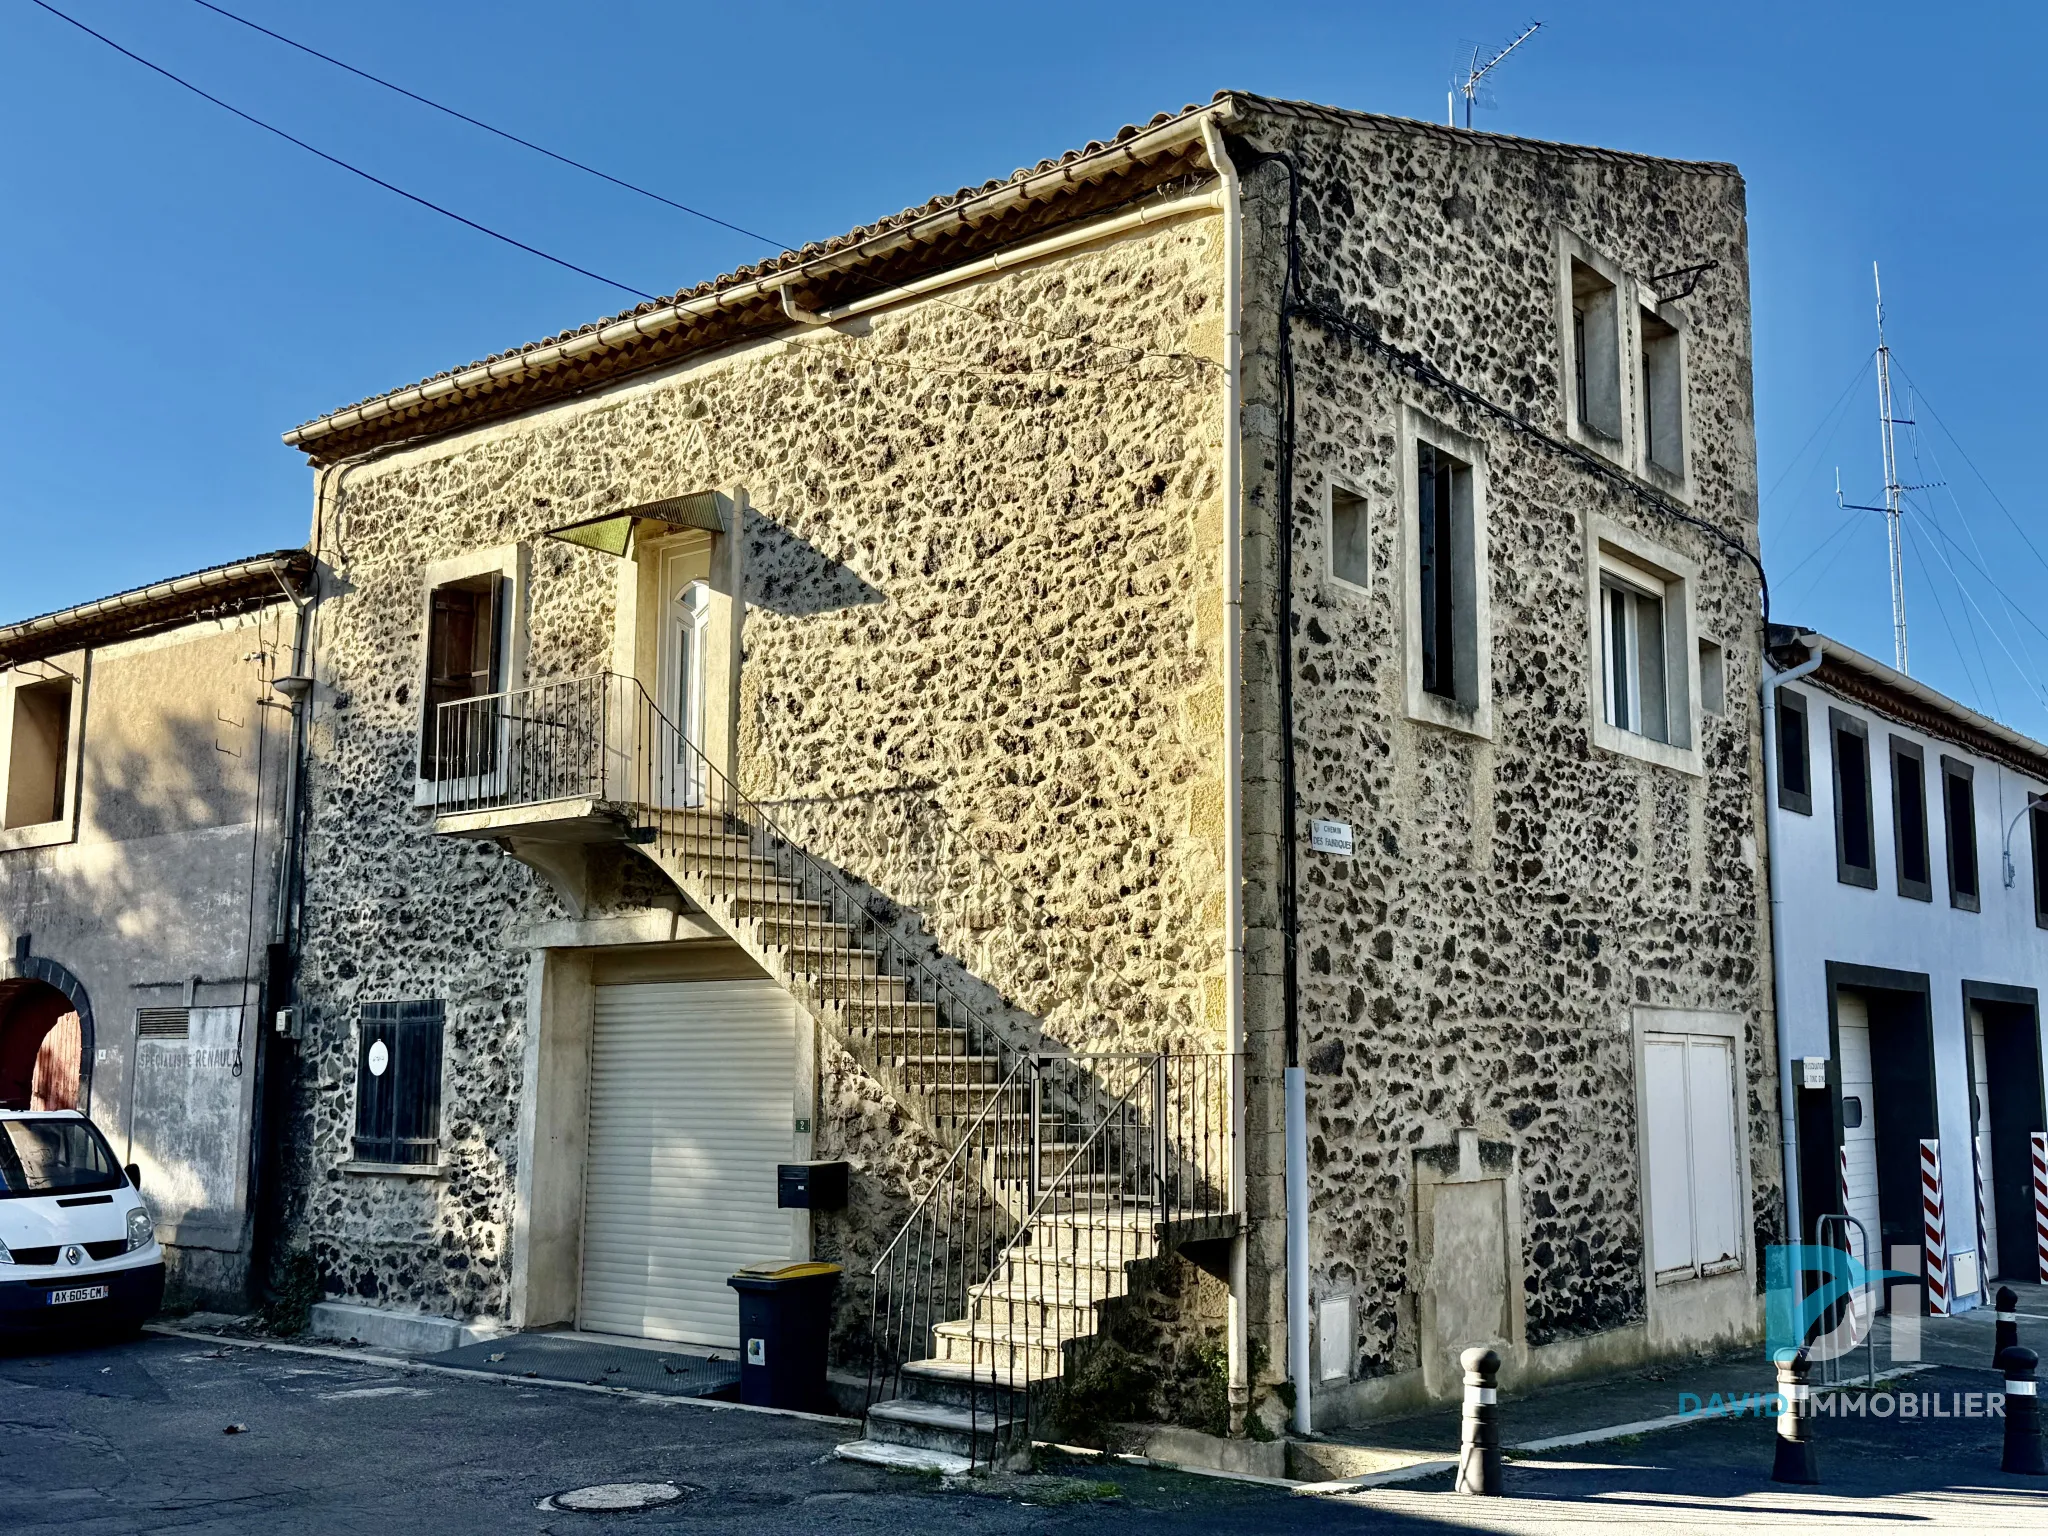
column 685, row 615
column 1859, row 1142
column 691, row 1097
column 1980, row 1085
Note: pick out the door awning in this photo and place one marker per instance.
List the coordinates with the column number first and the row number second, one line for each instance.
column 615, row 532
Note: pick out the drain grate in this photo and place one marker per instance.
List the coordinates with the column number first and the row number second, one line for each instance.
column 613, row 1498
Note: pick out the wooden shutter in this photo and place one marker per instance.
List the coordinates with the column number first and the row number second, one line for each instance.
column 1710, row 1124
column 1670, row 1164
column 398, row 1110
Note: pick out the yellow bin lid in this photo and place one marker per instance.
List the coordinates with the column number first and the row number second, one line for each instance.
column 772, row 1271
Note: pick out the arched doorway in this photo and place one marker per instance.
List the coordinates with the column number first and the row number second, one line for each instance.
column 46, row 1039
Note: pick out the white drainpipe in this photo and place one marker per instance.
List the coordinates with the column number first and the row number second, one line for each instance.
column 1787, row 1095
column 1233, row 747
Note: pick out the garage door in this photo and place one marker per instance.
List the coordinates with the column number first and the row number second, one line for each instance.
column 1859, row 1141
column 690, row 1111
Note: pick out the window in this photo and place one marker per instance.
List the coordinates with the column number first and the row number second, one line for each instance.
column 465, row 654
column 1855, row 839
column 2037, row 820
column 1959, row 803
column 1663, row 394
column 2038, row 826
column 1443, row 549
column 1643, row 655
column 1909, row 821
column 38, row 753
column 398, row 1084
column 1596, row 351
column 1713, row 678
column 1632, row 622
column 1694, row 1221
column 1350, row 530
column 1795, row 764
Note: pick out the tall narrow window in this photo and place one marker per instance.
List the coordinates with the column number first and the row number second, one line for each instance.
column 1441, row 483
column 1636, row 674
column 2038, row 825
column 1909, row 821
column 1795, row 767
column 1959, row 801
column 1596, row 343
column 398, row 1083
column 1855, row 837
column 465, row 645
column 1663, row 395
column 38, row 753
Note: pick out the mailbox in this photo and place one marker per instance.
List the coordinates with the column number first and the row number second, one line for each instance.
column 810, row 1186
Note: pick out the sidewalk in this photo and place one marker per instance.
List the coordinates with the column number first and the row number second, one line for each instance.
column 1665, row 1397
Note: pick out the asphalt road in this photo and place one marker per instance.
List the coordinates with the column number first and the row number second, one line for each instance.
column 134, row 1438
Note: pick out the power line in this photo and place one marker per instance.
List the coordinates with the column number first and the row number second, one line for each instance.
column 1982, row 479
column 477, row 122
column 1833, row 410
column 354, row 170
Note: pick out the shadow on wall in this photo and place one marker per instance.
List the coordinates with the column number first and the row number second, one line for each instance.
column 788, row 575
column 180, row 771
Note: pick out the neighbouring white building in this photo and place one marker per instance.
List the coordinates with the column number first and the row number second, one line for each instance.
column 1909, row 845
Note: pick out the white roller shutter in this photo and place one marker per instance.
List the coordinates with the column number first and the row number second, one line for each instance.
column 1859, row 1142
column 690, row 1110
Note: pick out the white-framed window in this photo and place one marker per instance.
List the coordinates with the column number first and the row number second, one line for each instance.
column 1348, row 536
column 472, row 648
column 42, row 715
column 1691, row 1133
column 1447, row 620
column 1595, row 311
column 1645, row 661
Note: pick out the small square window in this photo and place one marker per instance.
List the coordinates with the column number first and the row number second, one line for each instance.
column 1350, row 539
column 39, row 753
column 1909, row 821
column 1795, row 755
column 1959, row 803
column 1713, row 678
column 1855, row 834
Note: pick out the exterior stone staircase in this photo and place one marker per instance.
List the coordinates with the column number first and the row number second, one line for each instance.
column 1071, row 1177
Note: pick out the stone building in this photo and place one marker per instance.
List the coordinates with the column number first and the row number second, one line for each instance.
column 1000, row 698
column 144, row 761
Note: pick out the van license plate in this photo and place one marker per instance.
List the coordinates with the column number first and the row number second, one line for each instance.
column 78, row 1293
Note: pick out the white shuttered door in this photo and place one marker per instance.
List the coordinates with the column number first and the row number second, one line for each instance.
column 690, row 1111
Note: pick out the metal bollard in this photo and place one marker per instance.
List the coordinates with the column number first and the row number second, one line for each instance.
column 2023, row 1451
column 1796, row 1461
column 1479, row 1447
column 2008, row 1335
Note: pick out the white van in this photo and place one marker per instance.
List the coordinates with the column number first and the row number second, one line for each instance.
column 77, row 1247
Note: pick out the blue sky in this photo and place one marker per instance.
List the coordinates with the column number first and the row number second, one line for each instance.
column 179, row 287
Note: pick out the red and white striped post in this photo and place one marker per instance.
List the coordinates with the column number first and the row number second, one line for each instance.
column 1933, row 1226
column 1983, row 1221
column 2040, row 1141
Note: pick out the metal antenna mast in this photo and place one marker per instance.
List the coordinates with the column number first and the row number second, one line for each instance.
column 1893, row 508
column 1475, row 72
column 1892, row 488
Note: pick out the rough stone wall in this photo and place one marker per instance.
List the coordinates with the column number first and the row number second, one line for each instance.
column 1511, row 899
column 982, row 675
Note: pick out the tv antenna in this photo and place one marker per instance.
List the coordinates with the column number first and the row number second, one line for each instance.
column 1470, row 88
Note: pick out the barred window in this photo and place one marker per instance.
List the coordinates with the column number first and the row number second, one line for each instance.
column 398, row 1083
